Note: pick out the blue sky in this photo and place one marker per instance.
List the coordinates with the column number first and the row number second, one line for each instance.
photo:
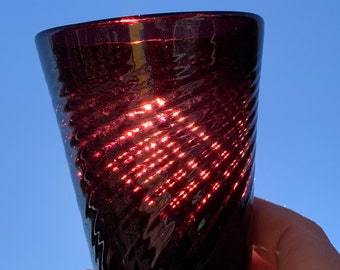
column 298, row 146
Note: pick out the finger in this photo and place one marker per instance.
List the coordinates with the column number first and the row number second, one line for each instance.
column 287, row 240
column 258, row 263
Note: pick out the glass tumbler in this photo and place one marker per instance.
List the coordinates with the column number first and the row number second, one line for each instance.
column 158, row 118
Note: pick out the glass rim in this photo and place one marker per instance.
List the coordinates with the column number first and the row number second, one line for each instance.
column 145, row 17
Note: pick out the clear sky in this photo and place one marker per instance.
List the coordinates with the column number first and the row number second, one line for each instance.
column 298, row 146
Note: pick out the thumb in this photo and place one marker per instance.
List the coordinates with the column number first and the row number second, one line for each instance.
column 288, row 241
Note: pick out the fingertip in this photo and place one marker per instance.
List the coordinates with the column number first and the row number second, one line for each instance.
column 258, row 263
column 288, row 240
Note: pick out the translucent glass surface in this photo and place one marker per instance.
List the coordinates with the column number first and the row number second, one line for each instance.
column 158, row 118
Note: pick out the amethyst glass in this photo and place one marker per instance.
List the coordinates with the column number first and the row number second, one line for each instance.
column 158, row 119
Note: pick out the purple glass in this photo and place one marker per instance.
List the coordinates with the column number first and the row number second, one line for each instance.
column 158, row 119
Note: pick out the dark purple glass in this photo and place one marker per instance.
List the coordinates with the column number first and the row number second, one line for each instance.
column 158, row 118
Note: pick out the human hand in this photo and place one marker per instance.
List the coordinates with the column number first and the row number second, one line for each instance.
column 285, row 240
